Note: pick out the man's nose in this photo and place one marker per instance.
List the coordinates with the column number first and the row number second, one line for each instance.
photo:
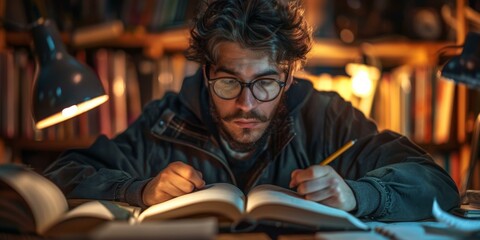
column 246, row 101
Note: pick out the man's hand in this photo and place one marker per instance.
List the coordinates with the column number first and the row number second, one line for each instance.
column 323, row 184
column 175, row 180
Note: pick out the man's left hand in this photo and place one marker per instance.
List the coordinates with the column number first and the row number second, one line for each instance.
column 323, row 184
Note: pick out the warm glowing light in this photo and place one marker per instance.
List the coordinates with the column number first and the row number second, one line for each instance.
column 347, row 36
column 71, row 111
column 363, row 77
column 118, row 86
column 361, row 84
column 342, row 85
column 324, row 82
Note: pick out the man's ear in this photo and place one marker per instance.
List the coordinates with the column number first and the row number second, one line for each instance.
column 291, row 71
column 204, row 71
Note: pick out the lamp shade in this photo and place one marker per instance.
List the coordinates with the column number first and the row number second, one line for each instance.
column 63, row 87
column 466, row 67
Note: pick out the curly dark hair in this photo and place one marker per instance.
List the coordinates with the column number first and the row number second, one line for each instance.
column 276, row 27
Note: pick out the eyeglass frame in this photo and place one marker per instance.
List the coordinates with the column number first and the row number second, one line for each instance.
column 249, row 85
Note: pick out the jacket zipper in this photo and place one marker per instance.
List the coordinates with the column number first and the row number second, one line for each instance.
column 232, row 177
column 257, row 173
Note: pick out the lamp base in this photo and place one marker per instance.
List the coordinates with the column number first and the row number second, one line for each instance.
column 473, row 198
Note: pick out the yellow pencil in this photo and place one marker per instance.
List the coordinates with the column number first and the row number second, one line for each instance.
column 334, row 155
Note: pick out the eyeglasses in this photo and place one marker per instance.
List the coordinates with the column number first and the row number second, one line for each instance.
column 263, row 89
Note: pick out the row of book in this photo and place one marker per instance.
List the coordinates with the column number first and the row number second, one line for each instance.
column 151, row 15
column 130, row 79
column 414, row 101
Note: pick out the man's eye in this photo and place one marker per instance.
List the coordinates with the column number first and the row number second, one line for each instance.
column 265, row 82
column 229, row 81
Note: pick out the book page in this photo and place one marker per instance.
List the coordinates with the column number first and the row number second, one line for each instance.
column 273, row 202
column 86, row 217
column 216, row 197
column 94, row 209
column 44, row 198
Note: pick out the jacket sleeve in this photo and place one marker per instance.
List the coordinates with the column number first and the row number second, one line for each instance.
column 392, row 178
column 110, row 169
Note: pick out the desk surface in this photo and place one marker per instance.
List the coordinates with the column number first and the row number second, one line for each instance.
column 408, row 230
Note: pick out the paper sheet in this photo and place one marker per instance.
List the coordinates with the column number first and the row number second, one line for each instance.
column 456, row 223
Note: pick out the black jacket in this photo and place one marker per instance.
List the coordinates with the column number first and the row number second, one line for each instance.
column 391, row 177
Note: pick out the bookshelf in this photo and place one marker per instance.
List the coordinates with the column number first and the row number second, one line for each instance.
column 324, row 52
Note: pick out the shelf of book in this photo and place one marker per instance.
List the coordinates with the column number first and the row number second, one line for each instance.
column 155, row 44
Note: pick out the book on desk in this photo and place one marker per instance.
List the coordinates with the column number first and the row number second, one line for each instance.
column 34, row 204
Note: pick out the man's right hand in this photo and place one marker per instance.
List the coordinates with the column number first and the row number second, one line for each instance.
column 175, row 180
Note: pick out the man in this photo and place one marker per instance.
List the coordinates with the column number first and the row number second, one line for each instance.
column 244, row 119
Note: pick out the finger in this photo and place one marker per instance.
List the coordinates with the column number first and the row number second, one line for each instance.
column 312, row 172
column 172, row 190
column 293, row 182
column 162, row 197
column 189, row 173
column 320, row 196
column 185, row 185
column 201, row 182
column 316, row 184
column 333, row 201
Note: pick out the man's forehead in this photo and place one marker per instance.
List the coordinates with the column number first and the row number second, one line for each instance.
column 234, row 57
column 228, row 51
column 251, row 68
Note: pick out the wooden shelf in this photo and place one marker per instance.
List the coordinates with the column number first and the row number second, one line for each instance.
column 324, row 52
column 155, row 44
column 335, row 53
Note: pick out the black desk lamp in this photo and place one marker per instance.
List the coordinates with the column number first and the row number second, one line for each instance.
column 465, row 69
column 63, row 87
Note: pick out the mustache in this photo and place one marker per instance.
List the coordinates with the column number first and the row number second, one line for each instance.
column 246, row 115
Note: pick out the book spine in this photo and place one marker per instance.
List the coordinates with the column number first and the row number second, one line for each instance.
column 3, row 92
column 134, row 106
column 101, row 63
column 443, row 110
column 119, row 92
column 12, row 98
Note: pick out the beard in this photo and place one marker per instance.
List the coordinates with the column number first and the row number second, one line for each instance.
column 242, row 146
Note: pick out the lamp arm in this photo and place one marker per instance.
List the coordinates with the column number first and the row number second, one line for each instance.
column 474, row 156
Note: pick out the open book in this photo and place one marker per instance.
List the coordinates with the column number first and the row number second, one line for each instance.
column 264, row 202
column 31, row 204
column 48, row 212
